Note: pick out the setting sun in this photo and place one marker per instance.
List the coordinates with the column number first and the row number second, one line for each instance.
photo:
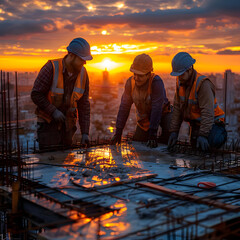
column 106, row 64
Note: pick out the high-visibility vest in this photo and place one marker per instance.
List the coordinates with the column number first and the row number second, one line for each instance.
column 195, row 112
column 55, row 95
column 143, row 120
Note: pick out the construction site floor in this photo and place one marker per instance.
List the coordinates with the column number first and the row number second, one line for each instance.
column 130, row 191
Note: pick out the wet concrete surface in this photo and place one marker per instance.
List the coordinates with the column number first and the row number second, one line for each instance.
column 105, row 165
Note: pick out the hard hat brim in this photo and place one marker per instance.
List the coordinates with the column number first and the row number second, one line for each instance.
column 138, row 72
column 176, row 74
column 87, row 57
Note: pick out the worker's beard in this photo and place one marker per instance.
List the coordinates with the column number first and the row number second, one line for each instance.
column 75, row 68
column 184, row 82
column 141, row 84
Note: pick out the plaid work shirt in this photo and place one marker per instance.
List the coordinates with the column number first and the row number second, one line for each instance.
column 42, row 87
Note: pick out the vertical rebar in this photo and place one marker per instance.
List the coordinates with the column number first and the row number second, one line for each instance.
column 5, row 127
column 9, row 124
column 18, row 145
column 2, row 118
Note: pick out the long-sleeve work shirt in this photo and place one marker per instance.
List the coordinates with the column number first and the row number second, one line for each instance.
column 206, row 94
column 42, row 87
column 158, row 99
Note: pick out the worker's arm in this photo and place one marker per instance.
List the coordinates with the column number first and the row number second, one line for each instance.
column 125, row 106
column 41, row 89
column 158, row 98
column 206, row 95
column 83, row 105
column 177, row 118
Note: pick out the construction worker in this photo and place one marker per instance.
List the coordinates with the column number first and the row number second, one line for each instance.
column 146, row 90
column 195, row 102
column 61, row 93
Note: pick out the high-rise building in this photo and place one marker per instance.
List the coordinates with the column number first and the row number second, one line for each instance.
column 229, row 104
column 105, row 77
column 228, row 91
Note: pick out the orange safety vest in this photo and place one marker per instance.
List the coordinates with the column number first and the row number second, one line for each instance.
column 143, row 120
column 195, row 112
column 55, row 95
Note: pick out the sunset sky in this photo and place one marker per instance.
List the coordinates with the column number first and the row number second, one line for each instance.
column 31, row 32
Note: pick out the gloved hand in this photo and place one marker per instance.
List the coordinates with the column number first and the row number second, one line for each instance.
column 172, row 139
column 85, row 139
column 58, row 116
column 152, row 141
column 202, row 143
column 117, row 137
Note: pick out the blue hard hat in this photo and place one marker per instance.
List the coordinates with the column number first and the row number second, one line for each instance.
column 81, row 48
column 181, row 62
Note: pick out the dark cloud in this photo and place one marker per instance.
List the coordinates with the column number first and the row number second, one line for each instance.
column 162, row 19
column 228, row 52
column 70, row 27
column 29, row 10
column 181, row 18
column 156, row 4
column 22, row 27
column 225, row 7
column 210, row 20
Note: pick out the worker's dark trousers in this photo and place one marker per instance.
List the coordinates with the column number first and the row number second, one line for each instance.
column 142, row 136
column 52, row 136
column 216, row 138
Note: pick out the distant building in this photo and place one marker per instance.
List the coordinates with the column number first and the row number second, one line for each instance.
column 217, row 80
column 228, row 88
column 230, row 107
column 105, row 75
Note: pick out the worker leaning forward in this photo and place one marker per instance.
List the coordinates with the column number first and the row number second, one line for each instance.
column 195, row 102
column 61, row 93
column 146, row 90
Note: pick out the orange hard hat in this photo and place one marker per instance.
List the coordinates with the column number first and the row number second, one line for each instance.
column 142, row 64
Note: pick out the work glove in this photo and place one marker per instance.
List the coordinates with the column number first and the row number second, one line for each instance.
column 85, row 139
column 58, row 116
column 152, row 139
column 202, row 143
column 152, row 143
column 172, row 139
column 117, row 137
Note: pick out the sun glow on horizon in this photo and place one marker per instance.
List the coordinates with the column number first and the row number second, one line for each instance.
column 106, row 64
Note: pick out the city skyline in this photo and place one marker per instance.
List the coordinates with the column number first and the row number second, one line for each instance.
column 34, row 31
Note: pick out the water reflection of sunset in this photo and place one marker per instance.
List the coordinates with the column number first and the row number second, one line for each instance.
column 102, row 166
column 111, row 221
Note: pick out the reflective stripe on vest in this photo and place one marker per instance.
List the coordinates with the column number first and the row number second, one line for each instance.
column 55, row 95
column 193, row 100
column 57, row 88
column 57, row 85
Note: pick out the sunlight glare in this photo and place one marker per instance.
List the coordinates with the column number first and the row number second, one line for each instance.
column 90, row 8
column 104, row 32
column 106, row 64
column 120, row 5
